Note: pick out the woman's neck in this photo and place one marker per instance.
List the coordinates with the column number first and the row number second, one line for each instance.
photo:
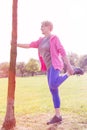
column 47, row 35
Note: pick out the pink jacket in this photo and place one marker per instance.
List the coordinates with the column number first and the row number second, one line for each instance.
column 56, row 50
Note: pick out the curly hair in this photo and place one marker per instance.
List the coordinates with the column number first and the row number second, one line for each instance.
column 48, row 23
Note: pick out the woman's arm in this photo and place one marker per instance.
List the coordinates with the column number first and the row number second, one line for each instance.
column 33, row 44
column 69, row 66
column 23, row 45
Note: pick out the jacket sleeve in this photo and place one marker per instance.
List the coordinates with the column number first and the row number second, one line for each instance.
column 60, row 47
column 35, row 44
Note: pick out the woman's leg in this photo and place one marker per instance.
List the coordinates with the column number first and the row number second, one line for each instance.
column 54, row 80
column 55, row 97
column 56, row 101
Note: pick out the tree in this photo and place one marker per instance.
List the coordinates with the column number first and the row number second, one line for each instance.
column 32, row 66
column 83, row 62
column 74, row 58
column 10, row 120
column 20, row 68
column 4, row 69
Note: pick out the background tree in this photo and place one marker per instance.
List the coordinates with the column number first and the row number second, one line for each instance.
column 10, row 120
column 4, row 67
column 74, row 59
column 20, row 69
column 83, row 62
column 32, row 66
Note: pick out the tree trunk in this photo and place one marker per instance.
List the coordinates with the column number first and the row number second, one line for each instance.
column 10, row 120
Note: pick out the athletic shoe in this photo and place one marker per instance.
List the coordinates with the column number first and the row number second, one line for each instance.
column 55, row 119
column 78, row 71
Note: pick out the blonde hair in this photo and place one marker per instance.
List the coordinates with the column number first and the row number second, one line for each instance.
column 48, row 23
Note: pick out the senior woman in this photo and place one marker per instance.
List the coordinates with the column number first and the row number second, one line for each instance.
column 52, row 56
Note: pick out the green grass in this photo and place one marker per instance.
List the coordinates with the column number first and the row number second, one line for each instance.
column 32, row 95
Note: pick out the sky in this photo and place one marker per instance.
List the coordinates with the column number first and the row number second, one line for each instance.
column 69, row 18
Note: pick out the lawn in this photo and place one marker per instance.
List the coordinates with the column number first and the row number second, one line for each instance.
column 32, row 97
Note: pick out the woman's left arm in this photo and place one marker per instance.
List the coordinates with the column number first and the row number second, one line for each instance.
column 69, row 66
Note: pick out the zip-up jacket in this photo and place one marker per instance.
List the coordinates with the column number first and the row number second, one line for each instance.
column 56, row 51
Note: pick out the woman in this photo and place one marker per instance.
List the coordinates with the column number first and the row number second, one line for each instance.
column 52, row 55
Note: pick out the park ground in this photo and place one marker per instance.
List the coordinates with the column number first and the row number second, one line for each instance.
column 38, row 122
column 33, row 105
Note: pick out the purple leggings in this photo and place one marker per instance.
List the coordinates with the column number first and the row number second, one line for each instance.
column 54, row 81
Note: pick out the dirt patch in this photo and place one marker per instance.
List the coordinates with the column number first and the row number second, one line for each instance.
column 38, row 122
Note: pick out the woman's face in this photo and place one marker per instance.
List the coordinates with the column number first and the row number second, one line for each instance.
column 45, row 29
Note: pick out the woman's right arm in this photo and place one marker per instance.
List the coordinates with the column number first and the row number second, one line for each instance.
column 23, row 45
column 33, row 44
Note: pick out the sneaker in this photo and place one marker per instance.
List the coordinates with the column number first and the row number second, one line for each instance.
column 78, row 71
column 55, row 119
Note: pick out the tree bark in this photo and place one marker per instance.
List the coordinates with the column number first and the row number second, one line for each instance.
column 10, row 120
